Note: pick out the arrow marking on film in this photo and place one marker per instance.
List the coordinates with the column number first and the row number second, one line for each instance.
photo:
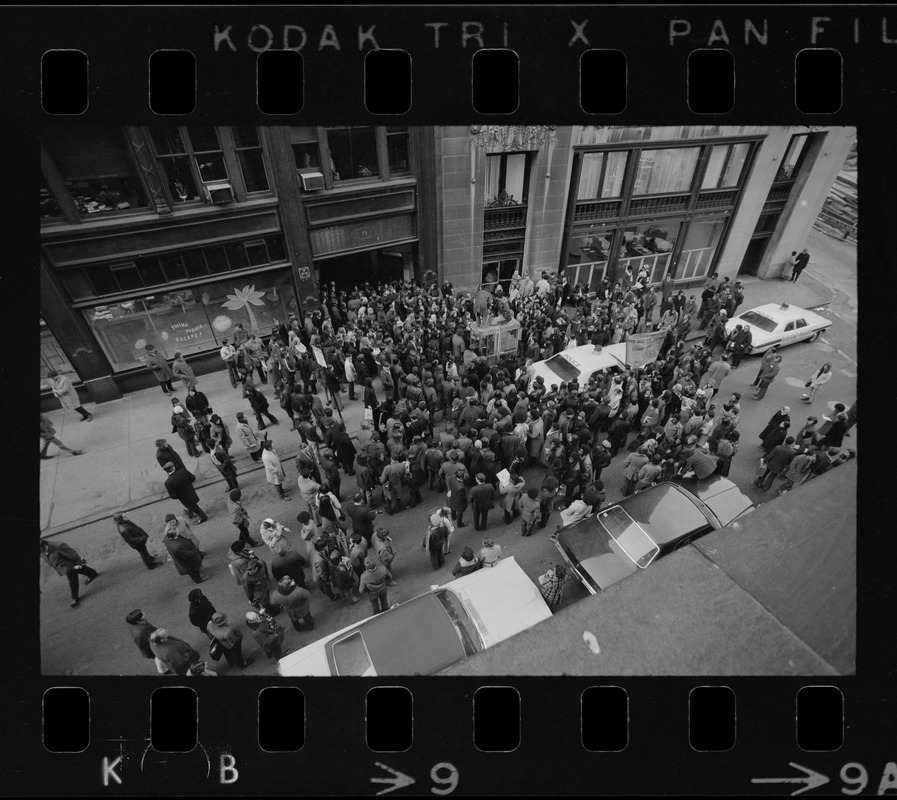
column 399, row 781
column 811, row 778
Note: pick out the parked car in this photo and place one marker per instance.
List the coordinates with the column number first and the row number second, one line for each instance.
column 580, row 363
column 622, row 538
column 429, row 632
column 779, row 323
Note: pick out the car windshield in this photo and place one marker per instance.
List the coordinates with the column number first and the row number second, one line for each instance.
column 631, row 537
column 464, row 625
column 759, row 321
column 352, row 657
column 563, row 367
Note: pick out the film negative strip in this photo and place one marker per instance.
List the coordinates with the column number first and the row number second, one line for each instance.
column 209, row 175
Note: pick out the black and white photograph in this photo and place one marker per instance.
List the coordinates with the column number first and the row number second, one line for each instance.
column 470, row 399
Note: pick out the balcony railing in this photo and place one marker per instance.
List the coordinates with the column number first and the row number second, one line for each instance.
column 596, row 209
column 721, row 199
column 779, row 191
column 504, row 218
column 659, row 205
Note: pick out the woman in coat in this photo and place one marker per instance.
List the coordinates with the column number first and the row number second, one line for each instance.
column 274, row 472
column 63, row 390
column 344, row 448
column 259, row 404
column 172, row 655
column 197, row 403
column 183, row 372
column 822, row 376
column 156, row 362
column 220, row 629
column 181, row 425
column 224, row 463
column 220, row 433
column 510, row 500
column 185, row 555
column 618, row 432
column 835, row 435
column 201, row 610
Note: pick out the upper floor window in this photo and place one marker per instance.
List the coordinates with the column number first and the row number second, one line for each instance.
column 507, row 179
column 665, row 171
column 353, row 153
column 792, row 158
column 601, row 175
column 397, row 149
column 174, row 157
column 305, row 147
column 726, row 165
column 96, row 169
column 252, row 162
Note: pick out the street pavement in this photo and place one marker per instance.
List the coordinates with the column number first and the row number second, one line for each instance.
column 118, row 472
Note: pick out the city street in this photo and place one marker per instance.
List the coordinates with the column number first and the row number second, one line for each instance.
column 118, row 473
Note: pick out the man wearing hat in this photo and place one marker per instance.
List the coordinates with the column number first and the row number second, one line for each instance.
column 136, row 538
column 156, row 362
column 220, row 629
column 66, row 561
column 184, row 554
column 172, row 654
column 295, row 600
column 165, row 454
column 268, row 635
column 179, row 486
column 140, row 628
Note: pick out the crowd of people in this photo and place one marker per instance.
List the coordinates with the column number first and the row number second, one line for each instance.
column 445, row 420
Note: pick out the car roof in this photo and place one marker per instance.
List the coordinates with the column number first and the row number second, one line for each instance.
column 666, row 512
column 612, row 355
column 784, row 312
column 723, row 497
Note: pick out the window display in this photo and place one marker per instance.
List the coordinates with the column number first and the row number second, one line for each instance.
column 52, row 357
column 191, row 320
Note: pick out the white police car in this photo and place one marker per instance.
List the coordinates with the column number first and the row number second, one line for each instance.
column 781, row 324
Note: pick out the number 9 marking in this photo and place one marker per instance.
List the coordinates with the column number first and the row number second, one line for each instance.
column 450, row 782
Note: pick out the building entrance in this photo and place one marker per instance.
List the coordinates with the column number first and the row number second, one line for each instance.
column 356, row 269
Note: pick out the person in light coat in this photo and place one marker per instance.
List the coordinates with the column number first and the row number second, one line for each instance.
column 819, row 378
column 274, row 472
column 182, row 371
column 63, row 391
column 248, row 438
column 351, row 376
column 510, row 500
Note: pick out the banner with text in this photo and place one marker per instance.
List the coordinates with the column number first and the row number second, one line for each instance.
column 643, row 348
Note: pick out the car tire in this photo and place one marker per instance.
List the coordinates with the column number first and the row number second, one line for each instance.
column 815, row 336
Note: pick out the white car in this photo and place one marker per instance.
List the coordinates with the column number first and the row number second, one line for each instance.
column 580, row 363
column 781, row 324
column 429, row 632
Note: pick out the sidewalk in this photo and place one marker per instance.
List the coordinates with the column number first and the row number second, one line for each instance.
column 118, row 469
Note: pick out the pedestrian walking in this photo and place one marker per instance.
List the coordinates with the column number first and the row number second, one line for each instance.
column 295, row 600
column 274, row 533
column 182, row 371
column 819, row 378
column 48, row 434
column 66, row 561
column 248, row 438
column 172, row 655
column 767, row 375
column 224, row 463
column 201, row 610
column 182, row 425
column 179, row 486
column 220, row 433
column 185, row 555
column 198, row 404
column 240, row 516
column 776, row 462
column 765, row 360
column 374, row 581
column 268, row 634
column 157, row 364
column 165, row 454
column 231, row 640
column 140, row 629
column 67, row 395
column 274, row 472
column 136, row 538
column 436, row 539
column 229, row 357
column 259, row 404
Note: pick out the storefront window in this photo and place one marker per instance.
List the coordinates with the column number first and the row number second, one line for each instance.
column 665, row 171
column 700, row 245
column 353, row 153
column 647, row 248
column 191, row 320
column 725, row 165
column 792, row 158
column 52, row 357
column 252, row 162
column 601, row 175
column 397, row 148
column 507, row 179
column 97, row 169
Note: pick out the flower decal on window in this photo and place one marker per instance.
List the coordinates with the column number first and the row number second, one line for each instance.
column 245, row 298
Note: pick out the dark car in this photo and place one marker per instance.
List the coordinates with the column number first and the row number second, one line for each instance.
column 627, row 536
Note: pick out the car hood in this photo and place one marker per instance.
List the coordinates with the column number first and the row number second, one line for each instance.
column 310, row 661
column 501, row 600
column 723, row 497
column 594, row 553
